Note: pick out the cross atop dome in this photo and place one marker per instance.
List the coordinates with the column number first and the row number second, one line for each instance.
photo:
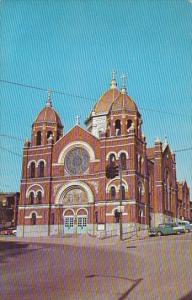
column 77, row 120
column 49, row 102
column 113, row 84
column 123, row 89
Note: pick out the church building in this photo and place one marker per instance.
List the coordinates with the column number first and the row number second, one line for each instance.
column 66, row 187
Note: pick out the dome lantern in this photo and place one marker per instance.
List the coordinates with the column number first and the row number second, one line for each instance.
column 113, row 84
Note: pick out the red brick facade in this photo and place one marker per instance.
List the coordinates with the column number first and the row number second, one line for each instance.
column 64, row 188
column 184, row 208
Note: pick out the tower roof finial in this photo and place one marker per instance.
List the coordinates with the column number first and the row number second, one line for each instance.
column 77, row 120
column 113, row 84
column 49, row 103
column 123, row 89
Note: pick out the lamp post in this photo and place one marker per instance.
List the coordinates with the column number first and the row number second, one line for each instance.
column 120, row 202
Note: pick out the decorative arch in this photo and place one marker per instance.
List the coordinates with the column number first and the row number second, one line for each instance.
column 126, row 188
column 83, row 209
column 123, row 151
column 65, row 188
column 111, row 152
column 29, row 163
column 40, row 160
column 72, row 145
column 34, row 212
column 31, row 192
column 68, row 209
column 32, row 188
column 113, row 185
column 112, row 182
column 114, row 209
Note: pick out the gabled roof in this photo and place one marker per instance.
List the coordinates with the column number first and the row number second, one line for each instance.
column 77, row 133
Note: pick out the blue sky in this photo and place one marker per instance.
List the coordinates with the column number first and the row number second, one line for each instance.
column 73, row 46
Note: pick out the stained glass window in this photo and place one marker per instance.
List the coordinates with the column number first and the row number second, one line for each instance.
column 77, row 161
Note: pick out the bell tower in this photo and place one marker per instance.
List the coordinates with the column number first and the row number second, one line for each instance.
column 46, row 125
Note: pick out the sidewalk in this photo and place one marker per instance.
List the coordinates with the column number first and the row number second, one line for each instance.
column 80, row 240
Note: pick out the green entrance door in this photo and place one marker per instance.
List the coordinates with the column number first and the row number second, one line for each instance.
column 69, row 227
column 81, row 224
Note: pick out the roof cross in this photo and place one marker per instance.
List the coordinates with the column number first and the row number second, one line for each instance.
column 49, row 103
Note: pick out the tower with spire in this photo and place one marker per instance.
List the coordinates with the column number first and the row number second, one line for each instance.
column 46, row 124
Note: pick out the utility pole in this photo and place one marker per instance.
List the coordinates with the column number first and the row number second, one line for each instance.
column 120, row 202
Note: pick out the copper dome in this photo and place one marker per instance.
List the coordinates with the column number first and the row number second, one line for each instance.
column 49, row 115
column 105, row 101
column 123, row 101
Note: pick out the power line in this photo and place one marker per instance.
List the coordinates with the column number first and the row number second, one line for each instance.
column 182, row 150
column 46, row 90
column 12, row 137
column 9, row 151
column 88, row 98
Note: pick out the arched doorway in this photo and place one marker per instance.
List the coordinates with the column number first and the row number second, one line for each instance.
column 76, row 202
column 68, row 219
column 82, row 216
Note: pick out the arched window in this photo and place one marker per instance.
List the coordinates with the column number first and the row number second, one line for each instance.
column 112, row 158
column 38, row 139
column 117, row 215
column 123, row 161
column 31, row 198
column 49, row 133
column 167, row 191
column 117, row 127
column 33, row 219
column 32, row 170
column 58, row 136
column 122, row 190
column 41, row 169
column 140, row 191
column 139, row 163
column 113, row 192
column 39, row 197
column 129, row 123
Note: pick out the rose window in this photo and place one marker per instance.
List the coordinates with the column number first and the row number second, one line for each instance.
column 77, row 161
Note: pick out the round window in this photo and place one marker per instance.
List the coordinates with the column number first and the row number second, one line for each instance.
column 77, row 161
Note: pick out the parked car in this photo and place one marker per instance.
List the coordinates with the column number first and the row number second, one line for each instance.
column 166, row 229
column 186, row 224
column 8, row 231
column 178, row 228
column 14, row 232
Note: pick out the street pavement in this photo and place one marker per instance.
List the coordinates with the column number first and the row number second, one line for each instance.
column 87, row 268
